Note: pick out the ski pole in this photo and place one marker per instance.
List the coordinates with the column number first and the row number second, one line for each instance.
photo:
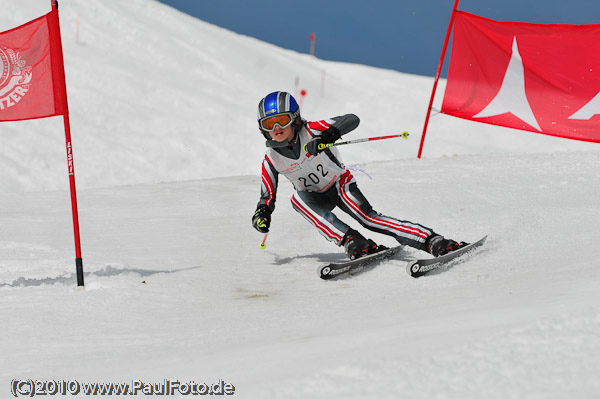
column 323, row 146
column 263, row 244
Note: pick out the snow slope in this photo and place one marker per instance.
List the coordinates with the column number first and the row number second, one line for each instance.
column 156, row 95
column 519, row 320
column 176, row 287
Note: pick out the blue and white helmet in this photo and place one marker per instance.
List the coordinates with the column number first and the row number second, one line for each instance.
column 278, row 102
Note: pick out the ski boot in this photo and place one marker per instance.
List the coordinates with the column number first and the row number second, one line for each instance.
column 356, row 245
column 437, row 245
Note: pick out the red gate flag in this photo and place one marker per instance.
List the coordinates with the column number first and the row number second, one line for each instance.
column 536, row 77
column 32, row 85
column 31, row 71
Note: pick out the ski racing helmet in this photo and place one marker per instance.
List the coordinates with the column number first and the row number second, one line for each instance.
column 278, row 103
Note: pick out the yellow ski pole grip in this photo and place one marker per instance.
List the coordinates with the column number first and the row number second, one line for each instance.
column 321, row 146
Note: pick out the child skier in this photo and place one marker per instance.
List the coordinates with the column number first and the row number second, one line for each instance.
column 322, row 183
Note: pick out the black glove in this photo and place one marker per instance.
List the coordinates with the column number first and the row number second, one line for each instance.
column 312, row 147
column 262, row 218
column 327, row 137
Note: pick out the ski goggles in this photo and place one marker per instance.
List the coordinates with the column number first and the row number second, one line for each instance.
column 283, row 120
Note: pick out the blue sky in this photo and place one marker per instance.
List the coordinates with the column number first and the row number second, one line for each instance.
column 404, row 35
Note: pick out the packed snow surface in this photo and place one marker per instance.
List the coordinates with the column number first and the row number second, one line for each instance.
column 167, row 162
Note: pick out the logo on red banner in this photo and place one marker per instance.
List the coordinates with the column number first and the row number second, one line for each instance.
column 15, row 78
column 540, row 78
column 31, row 71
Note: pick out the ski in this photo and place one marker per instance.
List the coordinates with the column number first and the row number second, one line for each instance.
column 336, row 269
column 420, row 267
